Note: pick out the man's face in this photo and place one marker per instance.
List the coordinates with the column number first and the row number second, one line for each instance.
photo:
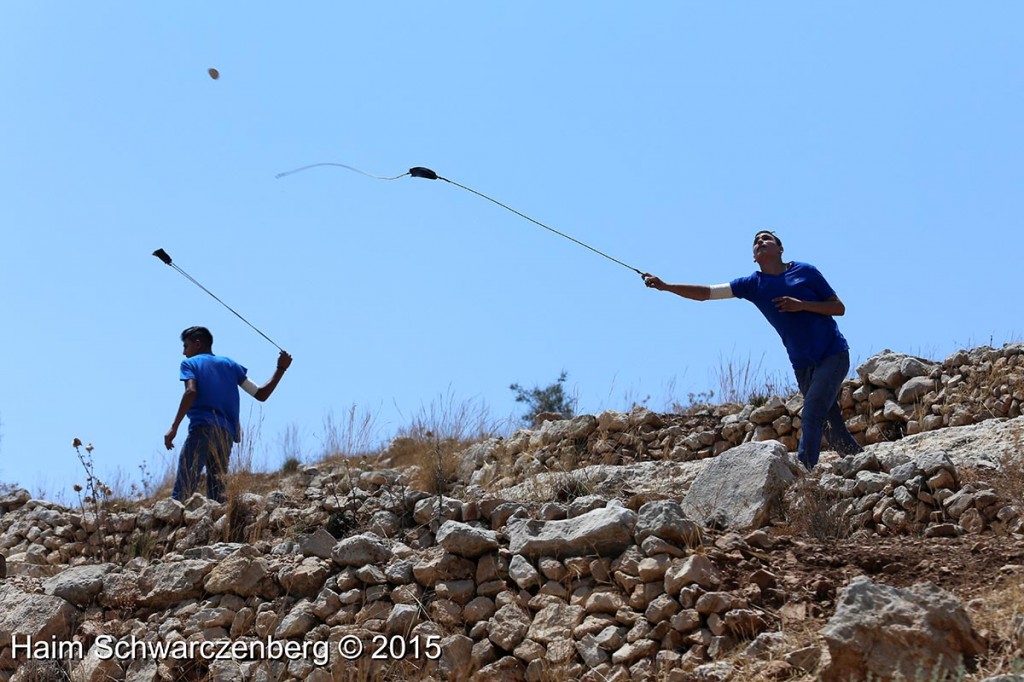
column 766, row 247
column 191, row 347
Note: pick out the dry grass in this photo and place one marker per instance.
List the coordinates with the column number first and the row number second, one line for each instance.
column 240, row 479
column 290, row 442
column 43, row 671
column 736, row 380
column 356, row 433
column 1008, row 480
column 796, row 635
column 812, row 511
column 1000, row 617
column 561, row 486
column 745, row 381
column 430, row 445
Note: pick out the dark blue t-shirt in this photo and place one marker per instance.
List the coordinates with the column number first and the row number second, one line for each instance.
column 217, row 379
column 809, row 337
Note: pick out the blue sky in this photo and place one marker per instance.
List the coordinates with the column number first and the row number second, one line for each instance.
column 882, row 142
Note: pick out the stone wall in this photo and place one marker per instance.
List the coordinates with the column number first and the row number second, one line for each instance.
column 622, row 582
column 615, row 594
column 894, row 395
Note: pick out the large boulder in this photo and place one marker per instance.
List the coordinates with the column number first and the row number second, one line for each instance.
column 361, row 550
column 162, row 585
column 605, row 531
column 741, row 488
column 78, row 585
column 466, row 540
column 244, row 573
column 31, row 618
column 880, row 633
column 982, row 445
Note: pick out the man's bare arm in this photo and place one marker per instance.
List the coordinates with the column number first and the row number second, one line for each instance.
column 694, row 292
column 284, row 361
column 187, row 398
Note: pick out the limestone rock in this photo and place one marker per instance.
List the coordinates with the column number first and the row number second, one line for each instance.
column 305, row 579
column 93, row 668
column 667, row 520
column 696, row 569
column 39, row 617
column 437, row 508
column 78, row 585
column 508, row 627
column 162, row 585
column 553, row 621
column 360, row 550
column 319, row 543
column 880, row 631
column 523, row 573
column 603, row 531
column 466, row 540
column 242, row 573
column 739, row 488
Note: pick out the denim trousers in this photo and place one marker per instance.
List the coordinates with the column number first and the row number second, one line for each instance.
column 820, row 386
column 206, row 447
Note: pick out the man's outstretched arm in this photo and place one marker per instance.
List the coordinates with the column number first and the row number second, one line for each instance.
column 694, row 292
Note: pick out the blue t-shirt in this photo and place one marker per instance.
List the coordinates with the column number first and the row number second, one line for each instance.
column 217, row 379
column 809, row 337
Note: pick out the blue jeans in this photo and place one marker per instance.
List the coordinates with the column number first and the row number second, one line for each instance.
column 820, row 385
column 206, row 447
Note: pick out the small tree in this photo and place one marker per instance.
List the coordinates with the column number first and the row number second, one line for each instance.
column 549, row 399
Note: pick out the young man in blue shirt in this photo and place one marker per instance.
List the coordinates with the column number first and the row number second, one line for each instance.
column 797, row 301
column 211, row 403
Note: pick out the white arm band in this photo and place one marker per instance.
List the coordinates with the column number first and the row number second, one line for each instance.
column 720, row 291
column 249, row 387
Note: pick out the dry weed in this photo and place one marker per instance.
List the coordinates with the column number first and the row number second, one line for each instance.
column 430, row 445
column 745, row 381
column 812, row 511
column 357, row 434
column 1000, row 616
column 570, row 485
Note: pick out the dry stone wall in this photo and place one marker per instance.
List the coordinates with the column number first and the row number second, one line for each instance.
column 598, row 591
column 630, row 581
column 893, row 395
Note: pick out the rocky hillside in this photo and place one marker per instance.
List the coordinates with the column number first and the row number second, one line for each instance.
column 618, row 546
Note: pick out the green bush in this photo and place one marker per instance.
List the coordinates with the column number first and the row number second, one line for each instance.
column 552, row 398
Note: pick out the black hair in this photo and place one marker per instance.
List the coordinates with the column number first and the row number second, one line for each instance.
column 201, row 333
column 774, row 236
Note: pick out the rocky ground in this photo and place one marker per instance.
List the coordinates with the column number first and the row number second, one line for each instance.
column 619, row 546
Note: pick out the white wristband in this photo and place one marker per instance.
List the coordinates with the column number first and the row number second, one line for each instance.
column 719, row 291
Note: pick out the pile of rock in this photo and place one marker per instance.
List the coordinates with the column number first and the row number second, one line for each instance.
column 609, row 547
column 902, row 494
column 610, row 590
column 605, row 593
column 908, row 395
column 38, row 534
column 893, row 396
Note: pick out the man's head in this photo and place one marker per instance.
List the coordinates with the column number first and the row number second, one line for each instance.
column 767, row 246
column 770, row 234
column 196, row 340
